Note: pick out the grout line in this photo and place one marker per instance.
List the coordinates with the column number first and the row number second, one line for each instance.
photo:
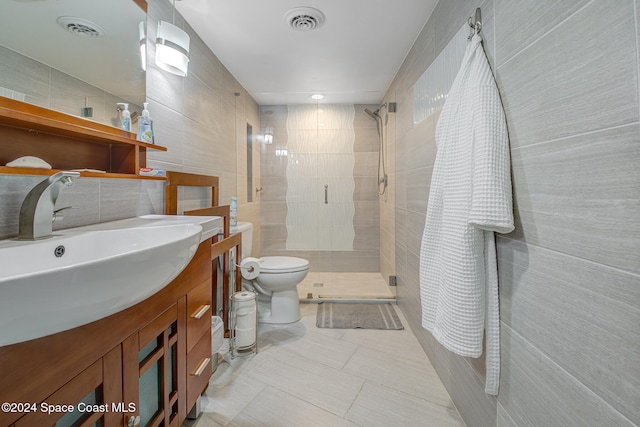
column 325, row 410
column 545, row 359
column 354, row 400
column 635, row 21
column 544, row 34
column 562, row 138
column 599, row 264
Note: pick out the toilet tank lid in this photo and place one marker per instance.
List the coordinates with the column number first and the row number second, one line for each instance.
column 283, row 264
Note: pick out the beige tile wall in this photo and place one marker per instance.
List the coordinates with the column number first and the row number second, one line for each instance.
column 366, row 255
column 569, row 273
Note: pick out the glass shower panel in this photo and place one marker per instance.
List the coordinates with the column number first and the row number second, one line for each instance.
column 320, row 183
column 431, row 89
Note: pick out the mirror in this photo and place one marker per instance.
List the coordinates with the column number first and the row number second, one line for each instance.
column 77, row 72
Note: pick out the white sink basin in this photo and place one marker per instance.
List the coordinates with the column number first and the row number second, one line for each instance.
column 105, row 268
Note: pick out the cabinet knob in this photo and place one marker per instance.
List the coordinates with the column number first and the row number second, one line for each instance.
column 133, row 421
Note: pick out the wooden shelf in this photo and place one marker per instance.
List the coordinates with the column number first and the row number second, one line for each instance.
column 5, row 170
column 68, row 142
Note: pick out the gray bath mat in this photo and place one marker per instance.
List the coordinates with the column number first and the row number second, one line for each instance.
column 357, row 316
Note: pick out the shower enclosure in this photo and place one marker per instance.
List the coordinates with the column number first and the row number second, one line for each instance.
column 320, row 196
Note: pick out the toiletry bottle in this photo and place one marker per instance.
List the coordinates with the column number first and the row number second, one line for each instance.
column 233, row 208
column 126, row 117
column 145, row 126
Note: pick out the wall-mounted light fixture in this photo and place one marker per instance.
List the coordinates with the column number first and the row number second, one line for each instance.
column 281, row 151
column 268, row 135
column 172, row 47
column 143, row 45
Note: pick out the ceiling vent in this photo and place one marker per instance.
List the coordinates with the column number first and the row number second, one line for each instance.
column 304, row 18
column 80, row 27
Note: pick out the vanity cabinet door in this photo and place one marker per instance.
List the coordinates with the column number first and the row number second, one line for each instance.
column 86, row 400
column 152, row 359
column 199, row 311
column 199, row 368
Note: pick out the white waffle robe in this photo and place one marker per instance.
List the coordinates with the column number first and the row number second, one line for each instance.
column 470, row 199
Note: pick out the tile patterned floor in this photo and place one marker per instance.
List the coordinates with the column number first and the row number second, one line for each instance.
column 306, row 376
column 344, row 285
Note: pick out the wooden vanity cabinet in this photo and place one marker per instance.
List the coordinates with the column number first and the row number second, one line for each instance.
column 151, row 366
column 139, row 356
column 199, row 368
column 95, row 388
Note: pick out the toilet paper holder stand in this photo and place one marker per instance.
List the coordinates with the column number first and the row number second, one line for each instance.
column 236, row 350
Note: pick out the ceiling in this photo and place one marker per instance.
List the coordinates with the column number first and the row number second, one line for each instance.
column 351, row 58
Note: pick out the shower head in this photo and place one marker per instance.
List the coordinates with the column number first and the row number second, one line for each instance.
column 373, row 115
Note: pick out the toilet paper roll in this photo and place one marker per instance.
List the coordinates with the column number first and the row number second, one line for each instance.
column 250, row 268
column 246, row 319
column 245, row 337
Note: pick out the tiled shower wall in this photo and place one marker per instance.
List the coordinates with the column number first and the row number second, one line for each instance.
column 569, row 274
column 365, row 255
column 201, row 119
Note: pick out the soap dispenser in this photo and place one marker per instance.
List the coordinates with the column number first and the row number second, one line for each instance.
column 145, row 126
column 126, row 117
column 233, row 212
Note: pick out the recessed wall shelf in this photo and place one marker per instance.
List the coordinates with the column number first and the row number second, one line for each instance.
column 67, row 142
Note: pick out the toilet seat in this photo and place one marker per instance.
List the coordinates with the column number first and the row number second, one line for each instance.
column 282, row 264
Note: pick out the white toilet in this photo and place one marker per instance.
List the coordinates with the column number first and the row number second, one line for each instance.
column 276, row 284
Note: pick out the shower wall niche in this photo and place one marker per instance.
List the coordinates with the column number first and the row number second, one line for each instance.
column 319, row 197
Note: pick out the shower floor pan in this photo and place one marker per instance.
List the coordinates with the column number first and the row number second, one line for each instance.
column 345, row 287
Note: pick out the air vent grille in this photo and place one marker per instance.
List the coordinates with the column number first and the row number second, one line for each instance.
column 80, row 27
column 304, row 18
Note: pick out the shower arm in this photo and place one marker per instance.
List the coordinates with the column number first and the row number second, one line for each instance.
column 381, row 130
column 381, row 161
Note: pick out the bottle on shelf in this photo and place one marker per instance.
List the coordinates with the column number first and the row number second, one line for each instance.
column 233, row 220
column 145, row 126
column 125, row 121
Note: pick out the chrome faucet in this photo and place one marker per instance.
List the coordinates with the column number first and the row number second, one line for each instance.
column 37, row 214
